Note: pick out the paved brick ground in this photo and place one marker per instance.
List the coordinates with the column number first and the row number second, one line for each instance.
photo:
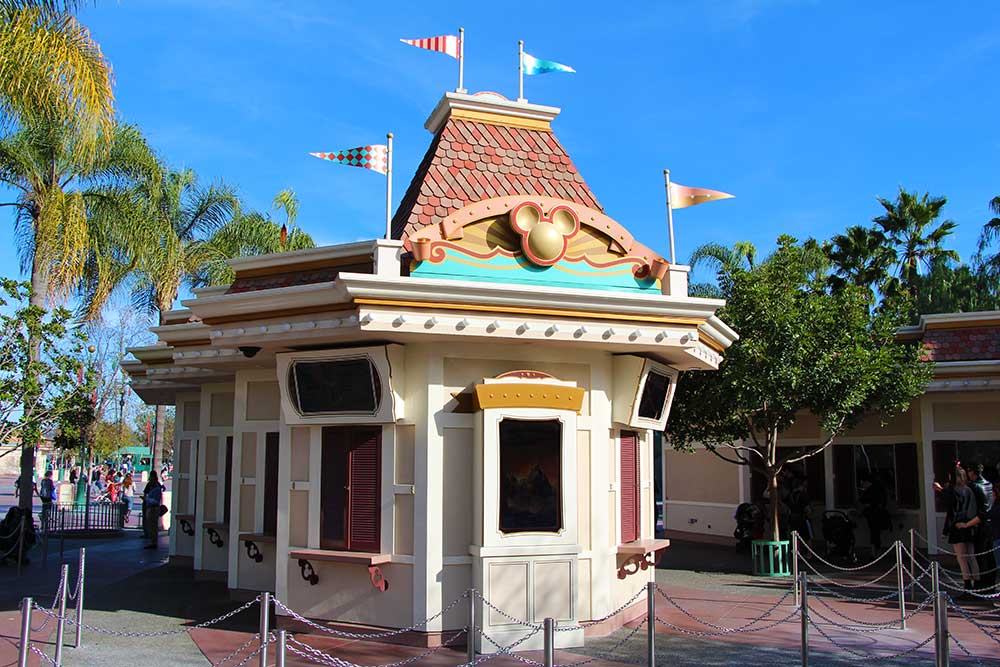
column 132, row 589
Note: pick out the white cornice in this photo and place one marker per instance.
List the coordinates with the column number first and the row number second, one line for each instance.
column 177, row 333
column 487, row 103
column 258, row 303
column 505, row 294
column 290, row 259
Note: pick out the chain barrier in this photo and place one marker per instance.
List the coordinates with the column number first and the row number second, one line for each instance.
column 968, row 653
column 598, row 621
column 52, row 609
column 885, row 553
column 723, row 629
column 325, row 658
column 864, row 626
column 270, row 640
column 868, row 656
column 850, row 598
column 507, row 650
column 512, row 619
column 608, row 652
column 370, row 635
column 138, row 635
column 44, row 657
column 79, row 583
column 979, row 626
column 245, row 646
column 949, row 551
column 843, row 585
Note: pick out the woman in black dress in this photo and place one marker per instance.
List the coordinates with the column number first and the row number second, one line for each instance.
column 961, row 510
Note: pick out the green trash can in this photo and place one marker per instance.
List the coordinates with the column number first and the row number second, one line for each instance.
column 771, row 559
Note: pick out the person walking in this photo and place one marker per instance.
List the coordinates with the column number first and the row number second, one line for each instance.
column 128, row 495
column 983, row 525
column 874, row 507
column 152, row 498
column 962, row 509
column 47, row 493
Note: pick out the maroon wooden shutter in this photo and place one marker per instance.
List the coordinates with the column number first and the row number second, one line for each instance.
column 843, row 476
column 365, row 516
column 630, row 486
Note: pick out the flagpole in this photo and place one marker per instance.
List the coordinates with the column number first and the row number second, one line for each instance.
column 520, row 71
column 670, row 215
column 461, row 61
column 388, row 186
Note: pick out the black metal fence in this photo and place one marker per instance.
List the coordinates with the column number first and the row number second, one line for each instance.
column 75, row 517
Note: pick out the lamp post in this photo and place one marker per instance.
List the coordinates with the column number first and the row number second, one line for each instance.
column 84, row 453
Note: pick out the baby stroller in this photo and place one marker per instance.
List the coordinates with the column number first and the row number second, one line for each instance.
column 749, row 522
column 838, row 531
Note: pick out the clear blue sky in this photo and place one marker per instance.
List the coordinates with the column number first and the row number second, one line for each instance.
column 804, row 110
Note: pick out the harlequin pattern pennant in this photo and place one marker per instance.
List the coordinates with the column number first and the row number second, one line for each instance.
column 448, row 44
column 366, row 157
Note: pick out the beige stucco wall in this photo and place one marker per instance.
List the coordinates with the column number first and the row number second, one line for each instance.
column 701, row 476
column 972, row 415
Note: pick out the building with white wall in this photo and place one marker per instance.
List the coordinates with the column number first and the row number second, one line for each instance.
column 370, row 429
column 956, row 419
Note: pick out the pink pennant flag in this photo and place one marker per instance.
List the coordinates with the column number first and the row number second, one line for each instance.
column 449, row 44
column 682, row 196
column 366, row 157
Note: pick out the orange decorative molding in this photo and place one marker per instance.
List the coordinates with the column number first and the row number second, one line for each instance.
column 529, row 395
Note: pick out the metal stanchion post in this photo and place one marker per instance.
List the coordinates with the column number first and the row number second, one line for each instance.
column 81, row 577
column 62, row 532
column 24, row 647
column 651, row 624
column 550, row 642
column 795, row 565
column 804, row 616
column 279, row 651
column 900, row 585
column 61, row 627
column 470, row 634
column 265, row 607
column 913, row 566
column 940, row 619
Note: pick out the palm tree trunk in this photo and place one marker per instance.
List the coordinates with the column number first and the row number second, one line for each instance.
column 159, row 426
column 31, row 436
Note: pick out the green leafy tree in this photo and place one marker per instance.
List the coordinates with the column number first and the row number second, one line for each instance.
column 51, row 68
column 802, row 347
column 39, row 360
column 947, row 288
column 910, row 226
column 720, row 258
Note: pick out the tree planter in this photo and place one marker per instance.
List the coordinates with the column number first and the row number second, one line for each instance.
column 771, row 559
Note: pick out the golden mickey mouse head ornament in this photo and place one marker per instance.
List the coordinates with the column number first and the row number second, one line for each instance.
column 544, row 238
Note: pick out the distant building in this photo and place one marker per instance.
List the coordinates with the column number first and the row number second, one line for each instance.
column 956, row 419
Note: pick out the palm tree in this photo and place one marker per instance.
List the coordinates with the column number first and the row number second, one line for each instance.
column 742, row 255
column 64, row 196
column 861, row 256
column 990, row 262
column 190, row 232
column 908, row 224
column 51, row 68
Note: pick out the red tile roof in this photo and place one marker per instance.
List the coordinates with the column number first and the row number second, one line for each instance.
column 971, row 344
column 469, row 161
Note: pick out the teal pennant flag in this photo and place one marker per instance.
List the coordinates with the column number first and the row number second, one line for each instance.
column 533, row 65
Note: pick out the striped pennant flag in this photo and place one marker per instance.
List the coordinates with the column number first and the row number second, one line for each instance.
column 366, row 157
column 449, row 44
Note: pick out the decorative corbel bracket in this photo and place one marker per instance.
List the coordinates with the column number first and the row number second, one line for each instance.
column 635, row 563
column 378, row 580
column 215, row 538
column 186, row 527
column 253, row 551
column 308, row 573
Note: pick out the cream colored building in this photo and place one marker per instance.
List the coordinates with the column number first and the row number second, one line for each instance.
column 368, row 430
column 957, row 418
